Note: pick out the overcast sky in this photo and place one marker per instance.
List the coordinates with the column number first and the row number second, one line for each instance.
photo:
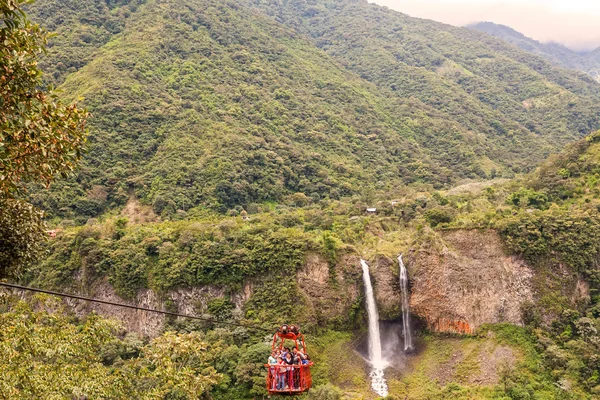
column 574, row 23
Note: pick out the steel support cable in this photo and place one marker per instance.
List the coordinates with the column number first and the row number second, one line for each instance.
column 72, row 296
column 92, row 300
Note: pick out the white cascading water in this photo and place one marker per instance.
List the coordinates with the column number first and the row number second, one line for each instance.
column 378, row 364
column 408, row 344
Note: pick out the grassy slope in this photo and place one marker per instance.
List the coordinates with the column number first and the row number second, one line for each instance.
column 446, row 367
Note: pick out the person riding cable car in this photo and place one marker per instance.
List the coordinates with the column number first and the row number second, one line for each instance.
column 288, row 369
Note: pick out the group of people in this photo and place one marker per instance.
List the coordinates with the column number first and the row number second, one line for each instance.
column 285, row 365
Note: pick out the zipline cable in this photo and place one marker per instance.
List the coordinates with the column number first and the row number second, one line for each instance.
column 72, row 296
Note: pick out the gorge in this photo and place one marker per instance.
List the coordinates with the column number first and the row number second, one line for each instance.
column 258, row 163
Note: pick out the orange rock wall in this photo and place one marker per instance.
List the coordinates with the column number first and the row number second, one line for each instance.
column 450, row 326
column 462, row 279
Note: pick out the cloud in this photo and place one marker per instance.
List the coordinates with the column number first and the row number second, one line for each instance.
column 574, row 23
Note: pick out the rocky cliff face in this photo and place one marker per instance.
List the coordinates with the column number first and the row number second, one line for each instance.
column 190, row 301
column 465, row 279
column 387, row 288
column 459, row 281
column 323, row 300
column 329, row 297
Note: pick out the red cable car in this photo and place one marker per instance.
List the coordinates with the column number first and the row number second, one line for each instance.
column 285, row 378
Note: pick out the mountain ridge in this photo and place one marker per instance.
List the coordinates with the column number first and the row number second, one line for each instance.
column 587, row 62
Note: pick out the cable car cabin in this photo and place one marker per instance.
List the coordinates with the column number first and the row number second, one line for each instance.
column 287, row 378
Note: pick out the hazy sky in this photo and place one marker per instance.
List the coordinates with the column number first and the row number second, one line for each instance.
column 574, row 23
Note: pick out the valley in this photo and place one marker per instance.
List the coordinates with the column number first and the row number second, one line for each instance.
column 259, row 163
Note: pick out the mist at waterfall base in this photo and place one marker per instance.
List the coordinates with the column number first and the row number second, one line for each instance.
column 392, row 346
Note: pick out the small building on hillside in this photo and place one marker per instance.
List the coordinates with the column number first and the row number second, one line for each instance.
column 244, row 215
column 371, row 210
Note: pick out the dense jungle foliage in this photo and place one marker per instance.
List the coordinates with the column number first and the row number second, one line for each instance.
column 217, row 105
column 47, row 354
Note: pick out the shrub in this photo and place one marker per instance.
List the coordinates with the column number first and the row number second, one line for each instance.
column 325, row 392
column 528, row 198
column 436, row 216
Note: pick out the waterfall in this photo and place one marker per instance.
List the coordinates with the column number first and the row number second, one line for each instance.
column 408, row 344
column 378, row 364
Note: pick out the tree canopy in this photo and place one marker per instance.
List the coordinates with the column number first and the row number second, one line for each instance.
column 39, row 136
column 46, row 354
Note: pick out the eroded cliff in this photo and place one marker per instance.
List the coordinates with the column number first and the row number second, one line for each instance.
column 463, row 279
column 459, row 280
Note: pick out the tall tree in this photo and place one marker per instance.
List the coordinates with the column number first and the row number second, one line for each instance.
column 40, row 137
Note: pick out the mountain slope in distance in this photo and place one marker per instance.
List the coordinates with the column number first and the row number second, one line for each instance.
column 203, row 105
column 225, row 104
column 553, row 52
column 456, row 70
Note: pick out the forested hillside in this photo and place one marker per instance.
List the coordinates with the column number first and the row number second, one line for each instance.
column 470, row 77
column 553, row 52
column 234, row 148
column 220, row 105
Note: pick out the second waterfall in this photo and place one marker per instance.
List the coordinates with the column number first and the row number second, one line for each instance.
column 378, row 364
column 406, row 331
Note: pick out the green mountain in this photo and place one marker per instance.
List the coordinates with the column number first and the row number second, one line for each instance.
column 305, row 113
column 206, row 104
column 457, row 71
column 553, row 52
